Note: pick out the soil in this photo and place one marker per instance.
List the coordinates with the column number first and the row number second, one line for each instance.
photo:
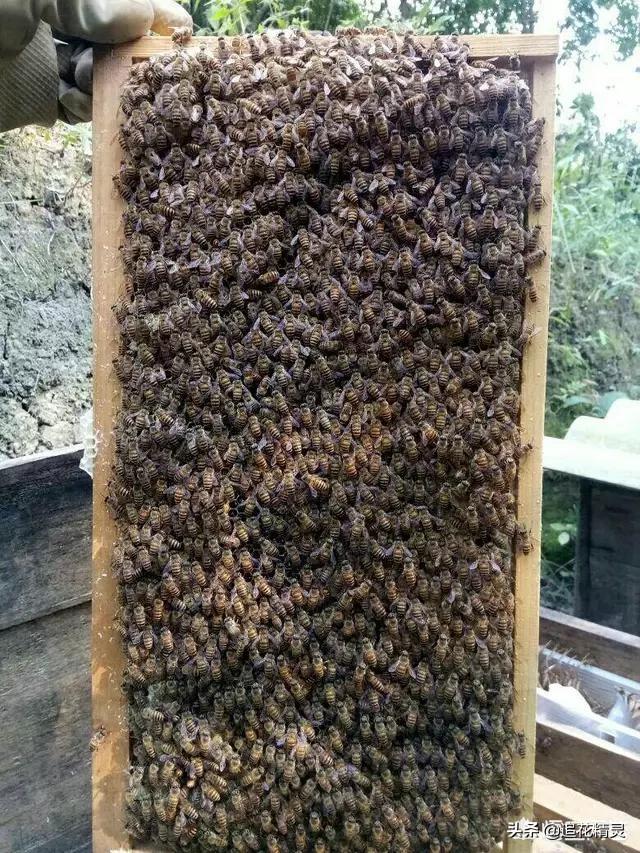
column 45, row 287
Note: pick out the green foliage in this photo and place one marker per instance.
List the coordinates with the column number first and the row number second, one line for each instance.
column 199, row 11
column 327, row 14
column 230, row 17
column 593, row 346
column 423, row 16
column 486, row 16
column 583, row 23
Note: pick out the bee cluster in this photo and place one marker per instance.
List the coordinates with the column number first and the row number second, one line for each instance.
column 327, row 261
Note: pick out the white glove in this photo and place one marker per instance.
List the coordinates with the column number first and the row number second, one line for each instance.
column 46, row 56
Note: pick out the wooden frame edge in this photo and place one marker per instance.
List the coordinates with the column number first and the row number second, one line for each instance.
column 109, row 712
column 557, row 802
column 527, row 47
column 532, row 401
column 589, row 765
column 604, row 647
column 111, row 760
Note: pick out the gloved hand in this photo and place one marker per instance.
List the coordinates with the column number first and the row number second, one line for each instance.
column 46, row 55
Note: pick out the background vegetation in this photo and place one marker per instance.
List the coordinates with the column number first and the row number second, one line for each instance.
column 594, row 352
column 230, row 17
column 594, row 325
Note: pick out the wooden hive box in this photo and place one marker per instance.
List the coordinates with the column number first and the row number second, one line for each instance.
column 537, row 55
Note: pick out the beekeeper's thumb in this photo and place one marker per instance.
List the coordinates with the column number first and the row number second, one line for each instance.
column 113, row 21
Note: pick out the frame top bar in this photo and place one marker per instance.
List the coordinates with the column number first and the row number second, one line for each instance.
column 527, row 47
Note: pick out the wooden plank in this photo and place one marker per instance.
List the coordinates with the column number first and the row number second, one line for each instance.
column 554, row 801
column 543, row 845
column 45, row 536
column 532, row 397
column 616, row 522
column 528, row 47
column 44, row 749
column 590, row 765
column 614, row 597
column 614, row 562
column 111, row 761
column 598, row 645
column 42, row 465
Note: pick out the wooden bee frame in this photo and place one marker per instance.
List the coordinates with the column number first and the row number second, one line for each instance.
column 537, row 55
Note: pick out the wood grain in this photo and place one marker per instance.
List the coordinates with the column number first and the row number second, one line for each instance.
column 532, row 396
column 589, row 765
column 554, row 801
column 111, row 761
column 45, row 536
column 40, row 467
column 44, row 749
column 598, row 645
column 527, row 47
column 615, row 525
column 614, row 595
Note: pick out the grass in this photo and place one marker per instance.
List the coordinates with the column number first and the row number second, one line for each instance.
column 594, row 345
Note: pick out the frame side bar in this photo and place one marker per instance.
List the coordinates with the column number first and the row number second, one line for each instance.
column 109, row 712
column 532, row 400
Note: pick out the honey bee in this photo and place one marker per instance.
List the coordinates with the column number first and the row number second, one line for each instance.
column 381, row 126
column 97, row 738
column 536, row 197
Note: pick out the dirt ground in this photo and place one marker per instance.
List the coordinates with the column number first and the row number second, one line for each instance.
column 45, row 285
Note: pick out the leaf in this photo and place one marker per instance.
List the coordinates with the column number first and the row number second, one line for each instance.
column 219, row 14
